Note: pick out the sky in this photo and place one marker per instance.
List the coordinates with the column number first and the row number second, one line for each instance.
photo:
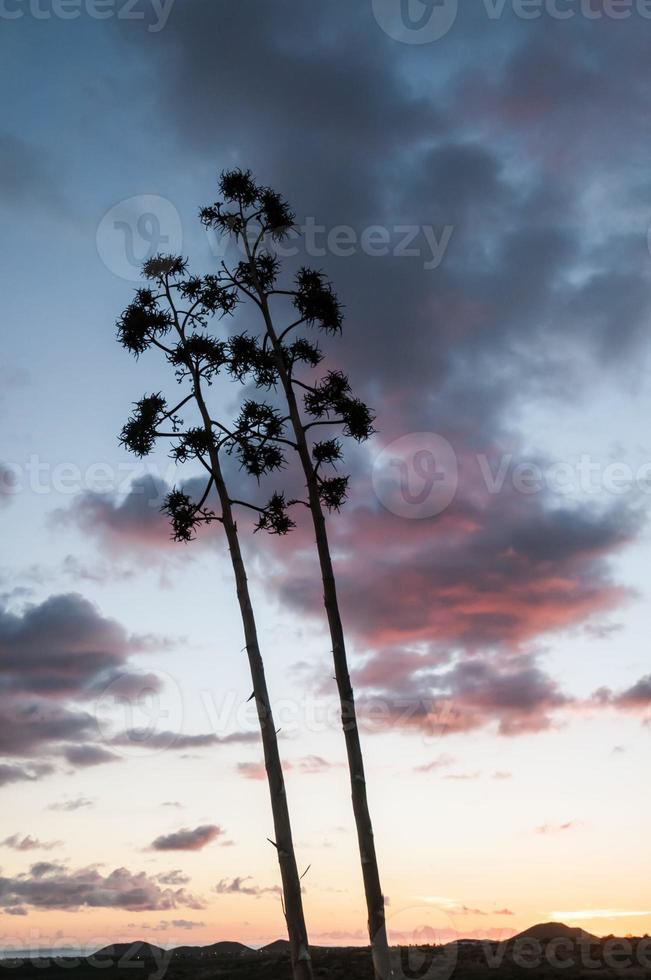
column 473, row 177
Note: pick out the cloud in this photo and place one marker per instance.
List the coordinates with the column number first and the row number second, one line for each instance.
column 185, row 924
column 57, row 657
column 166, row 925
column 84, row 756
column 62, row 646
column 28, row 843
column 441, row 762
column 312, row 765
column 51, row 886
column 172, row 740
column 20, row 774
column 557, row 828
column 70, row 806
column 188, row 840
column 637, row 697
column 238, row 886
column 135, row 520
column 309, row 765
column 480, row 587
column 253, row 770
column 498, row 572
column 515, row 695
column 175, row 877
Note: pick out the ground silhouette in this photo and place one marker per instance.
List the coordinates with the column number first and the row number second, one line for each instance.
column 543, row 951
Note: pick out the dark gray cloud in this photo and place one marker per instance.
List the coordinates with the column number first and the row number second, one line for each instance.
column 492, row 571
column 188, row 840
column 70, row 806
column 52, row 886
column 517, row 698
column 172, row 740
column 84, row 756
column 19, row 774
column 175, row 877
column 134, row 520
column 32, row 726
column 165, row 925
column 61, row 646
column 239, row 886
column 421, row 153
column 28, row 843
column 57, row 658
column 637, row 696
column 53, row 654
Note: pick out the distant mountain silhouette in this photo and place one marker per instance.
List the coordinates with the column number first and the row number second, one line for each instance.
column 223, row 950
column 545, row 932
column 135, row 951
column 470, row 960
column 280, row 946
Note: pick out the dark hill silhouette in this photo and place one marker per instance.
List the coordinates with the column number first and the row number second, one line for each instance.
column 223, row 950
column 280, row 946
column 545, row 932
column 138, row 950
column 465, row 960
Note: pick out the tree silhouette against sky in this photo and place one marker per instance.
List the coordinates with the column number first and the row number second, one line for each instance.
column 257, row 216
column 172, row 315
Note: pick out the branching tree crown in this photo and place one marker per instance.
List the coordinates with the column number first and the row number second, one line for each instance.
column 174, row 315
column 256, row 216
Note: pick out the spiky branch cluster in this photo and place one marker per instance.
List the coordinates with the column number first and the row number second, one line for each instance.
column 174, row 314
column 253, row 215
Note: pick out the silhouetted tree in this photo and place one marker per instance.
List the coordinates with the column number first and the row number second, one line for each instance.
column 255, row 216
column 172, row 315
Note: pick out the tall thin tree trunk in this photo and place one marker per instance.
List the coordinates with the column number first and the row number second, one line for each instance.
column 291, row 882
column 372, row 886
